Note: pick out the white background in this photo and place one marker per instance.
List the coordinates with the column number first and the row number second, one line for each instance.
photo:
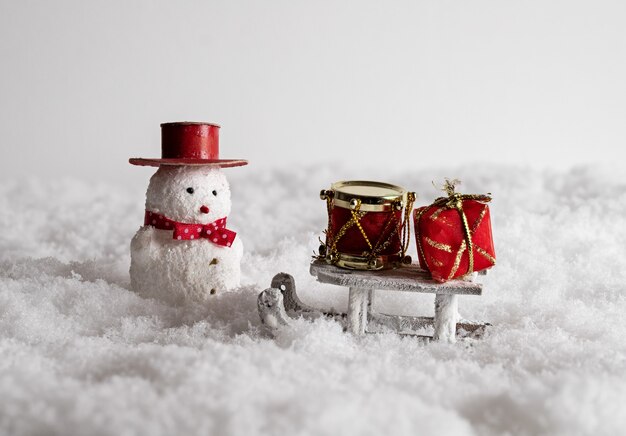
column 84, row 85
column 317, row 91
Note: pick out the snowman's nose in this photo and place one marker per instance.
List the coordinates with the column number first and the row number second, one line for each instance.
column 204, row 209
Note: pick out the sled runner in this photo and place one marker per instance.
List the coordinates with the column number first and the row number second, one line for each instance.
column 280, row 303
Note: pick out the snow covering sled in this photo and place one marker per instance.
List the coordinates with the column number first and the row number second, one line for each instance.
column 280, row 303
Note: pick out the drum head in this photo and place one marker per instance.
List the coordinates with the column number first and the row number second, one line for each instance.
column 374, row 196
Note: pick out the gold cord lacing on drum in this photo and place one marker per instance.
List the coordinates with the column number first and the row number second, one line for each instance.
column 329, row 250
column 406, row 232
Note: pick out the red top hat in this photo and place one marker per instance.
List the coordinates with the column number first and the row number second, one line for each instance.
column 189, row 143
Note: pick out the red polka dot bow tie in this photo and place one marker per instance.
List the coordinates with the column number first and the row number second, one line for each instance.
column 215, row 232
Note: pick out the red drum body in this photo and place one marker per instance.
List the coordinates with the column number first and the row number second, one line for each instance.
column 374, row 225
column 367, row 225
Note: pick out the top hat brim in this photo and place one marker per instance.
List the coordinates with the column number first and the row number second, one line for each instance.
column 218, row 163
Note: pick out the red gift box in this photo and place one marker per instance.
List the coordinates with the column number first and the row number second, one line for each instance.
column 444, row 231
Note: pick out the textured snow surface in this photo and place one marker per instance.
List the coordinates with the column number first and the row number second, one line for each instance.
column 81, row 354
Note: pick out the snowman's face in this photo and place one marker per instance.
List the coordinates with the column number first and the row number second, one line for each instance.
column 190, row 194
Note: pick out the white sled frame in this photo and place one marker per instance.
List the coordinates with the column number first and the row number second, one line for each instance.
column 280, row 302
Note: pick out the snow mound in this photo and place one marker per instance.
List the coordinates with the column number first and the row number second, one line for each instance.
column 81, row 354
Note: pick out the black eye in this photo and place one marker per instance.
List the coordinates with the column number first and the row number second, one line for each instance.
column 215, row 192
column 190, row 190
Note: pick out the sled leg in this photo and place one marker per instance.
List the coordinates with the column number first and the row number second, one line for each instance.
column 446, row 314
column 370, row 302
column 358, row 304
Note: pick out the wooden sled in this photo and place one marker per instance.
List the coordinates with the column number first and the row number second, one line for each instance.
column 279, row 304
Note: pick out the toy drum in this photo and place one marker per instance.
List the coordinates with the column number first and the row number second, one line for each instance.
column 368, row 225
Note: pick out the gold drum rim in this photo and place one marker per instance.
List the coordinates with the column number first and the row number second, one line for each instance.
column 396, row 199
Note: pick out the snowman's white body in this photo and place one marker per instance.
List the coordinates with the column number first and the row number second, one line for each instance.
column 184, row 271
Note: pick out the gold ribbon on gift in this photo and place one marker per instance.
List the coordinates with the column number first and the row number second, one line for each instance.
column 455, row 201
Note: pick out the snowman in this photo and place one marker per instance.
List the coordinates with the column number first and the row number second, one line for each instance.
column 185, row 252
